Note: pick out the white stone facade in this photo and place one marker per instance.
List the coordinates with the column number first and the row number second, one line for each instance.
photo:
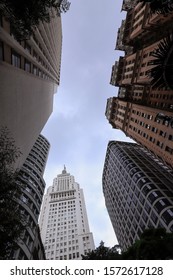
column 63, row 220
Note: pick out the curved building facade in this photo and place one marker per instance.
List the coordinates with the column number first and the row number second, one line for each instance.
column 138, row 191
column 31, row 177
column 29, row 77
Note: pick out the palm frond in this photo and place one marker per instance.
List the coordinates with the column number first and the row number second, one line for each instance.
column 159, row 6
column 162, row 72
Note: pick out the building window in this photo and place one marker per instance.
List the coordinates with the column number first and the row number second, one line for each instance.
column 27, row 47
column 166, row 123
column 170, row 137
column 1, row 21
column 160, row 144
column 168, row 216
column 27, row 66
column 35, row 70
column 169, row 150
column 15, row 59
column 154, row 217
column 154, row 129
column 1, row 51
column 162, row 133
column 35, row 55
column 152, row 139
column 40, row 73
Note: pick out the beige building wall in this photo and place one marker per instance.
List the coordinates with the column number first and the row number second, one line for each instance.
column 25, row 105
column 29, row 77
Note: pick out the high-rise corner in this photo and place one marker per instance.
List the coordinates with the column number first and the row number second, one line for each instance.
column 138, row 191
column 63, row 221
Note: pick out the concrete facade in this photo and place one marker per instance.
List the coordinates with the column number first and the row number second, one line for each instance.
column 31, row 177
column 138, row 191
column 63, row 220
column 29, row 76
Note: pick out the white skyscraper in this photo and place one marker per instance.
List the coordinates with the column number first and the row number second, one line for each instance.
column 63, row 220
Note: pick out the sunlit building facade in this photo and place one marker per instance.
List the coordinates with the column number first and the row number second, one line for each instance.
column 63, row 221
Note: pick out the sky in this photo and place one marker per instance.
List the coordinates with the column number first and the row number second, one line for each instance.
column 78, row 130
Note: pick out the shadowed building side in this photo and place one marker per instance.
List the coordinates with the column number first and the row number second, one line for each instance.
column 138, row 191
column 31, row 177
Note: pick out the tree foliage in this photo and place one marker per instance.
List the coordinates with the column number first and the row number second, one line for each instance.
column 154, row 244
column 24, row 16
column 102, row 253
column 161, row 72
column 160, row 6
column 11, row 217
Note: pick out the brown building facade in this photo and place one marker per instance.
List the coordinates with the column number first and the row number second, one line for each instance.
column 142, row 110
column 141, row 26
column 142, row 125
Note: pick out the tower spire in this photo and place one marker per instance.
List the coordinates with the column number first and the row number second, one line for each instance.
column 64, row 170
